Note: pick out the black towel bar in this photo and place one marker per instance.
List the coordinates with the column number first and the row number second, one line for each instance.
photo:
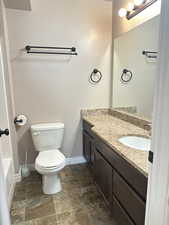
column 150, row 54
column 63, row 50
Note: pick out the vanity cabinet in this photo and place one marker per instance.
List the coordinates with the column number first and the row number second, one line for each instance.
column 88, row 145
column 87, row 142
column 123, row 186
column 103, row 175
column 128, row 199
column 119, row 214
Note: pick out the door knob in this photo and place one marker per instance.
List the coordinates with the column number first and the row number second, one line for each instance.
column 4, row 132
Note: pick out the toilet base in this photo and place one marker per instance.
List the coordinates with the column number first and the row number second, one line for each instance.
column 51, row 184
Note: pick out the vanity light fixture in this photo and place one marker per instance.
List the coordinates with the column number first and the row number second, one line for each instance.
column 135, row 7
column 130, row 7
column 138, row 2
column 123, row 12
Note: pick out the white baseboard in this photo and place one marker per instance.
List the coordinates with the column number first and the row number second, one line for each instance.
column 12, row 179
column 75, row 160
column 11, row 193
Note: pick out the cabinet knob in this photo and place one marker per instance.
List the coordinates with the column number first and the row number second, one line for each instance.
column 4, row 132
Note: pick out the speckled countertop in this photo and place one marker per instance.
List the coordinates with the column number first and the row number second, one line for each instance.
column 110, row 128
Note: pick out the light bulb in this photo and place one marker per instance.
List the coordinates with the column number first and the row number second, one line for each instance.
column 130, row 6
column 138, row 2
column 123, row 12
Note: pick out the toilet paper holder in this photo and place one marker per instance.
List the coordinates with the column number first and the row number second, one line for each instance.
column 20, row 120
column 16, row 120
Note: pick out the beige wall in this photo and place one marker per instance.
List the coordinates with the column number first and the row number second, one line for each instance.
column 56, row 88
column 122, row 25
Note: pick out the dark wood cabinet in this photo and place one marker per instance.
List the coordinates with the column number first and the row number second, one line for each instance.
column 88, row 149
column 129, row 173
column 87, row 146
column 127, row 197
column 122, row 185
column 120, row 215
column 103, row 175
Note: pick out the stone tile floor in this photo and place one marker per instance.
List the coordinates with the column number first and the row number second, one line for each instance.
column 79, row 203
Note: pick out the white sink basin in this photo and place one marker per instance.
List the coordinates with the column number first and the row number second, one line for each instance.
column 139, row 143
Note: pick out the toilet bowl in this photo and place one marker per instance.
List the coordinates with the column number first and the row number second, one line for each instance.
column 48, row 164
column 47, row 139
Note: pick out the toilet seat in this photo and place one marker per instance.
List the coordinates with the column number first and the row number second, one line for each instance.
column 50, row 160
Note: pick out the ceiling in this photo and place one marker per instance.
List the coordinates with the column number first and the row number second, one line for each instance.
column 18, row 4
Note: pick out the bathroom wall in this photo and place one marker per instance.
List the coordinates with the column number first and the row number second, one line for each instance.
column 55, row 88
column 128, row 49
column 122, row 25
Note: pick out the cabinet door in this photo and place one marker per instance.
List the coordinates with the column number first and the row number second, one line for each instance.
column 119, row 215
column 103, row 175
column 86, row 147
column 129, row 200
column 92, row 156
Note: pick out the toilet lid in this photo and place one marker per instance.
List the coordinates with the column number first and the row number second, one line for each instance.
column 49, row 159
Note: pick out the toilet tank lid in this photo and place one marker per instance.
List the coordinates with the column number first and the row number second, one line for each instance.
column 47, row 126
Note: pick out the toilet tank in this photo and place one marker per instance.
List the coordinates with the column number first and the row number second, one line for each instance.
column 47, row 136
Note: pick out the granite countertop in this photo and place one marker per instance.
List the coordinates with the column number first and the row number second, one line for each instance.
column 110, row 128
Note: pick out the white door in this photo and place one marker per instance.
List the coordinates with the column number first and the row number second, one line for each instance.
column 4, row 120
column 158, row 189
column 4, row 210
column 4, row 147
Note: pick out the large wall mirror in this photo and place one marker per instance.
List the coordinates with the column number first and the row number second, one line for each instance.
column 135, row 68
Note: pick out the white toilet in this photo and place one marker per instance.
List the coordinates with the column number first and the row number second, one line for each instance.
column 47, row 138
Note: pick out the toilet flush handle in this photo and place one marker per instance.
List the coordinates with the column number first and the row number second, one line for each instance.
column 36, row 133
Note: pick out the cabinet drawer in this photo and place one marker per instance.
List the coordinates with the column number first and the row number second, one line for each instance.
column 119, row 215
column 128, row 198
